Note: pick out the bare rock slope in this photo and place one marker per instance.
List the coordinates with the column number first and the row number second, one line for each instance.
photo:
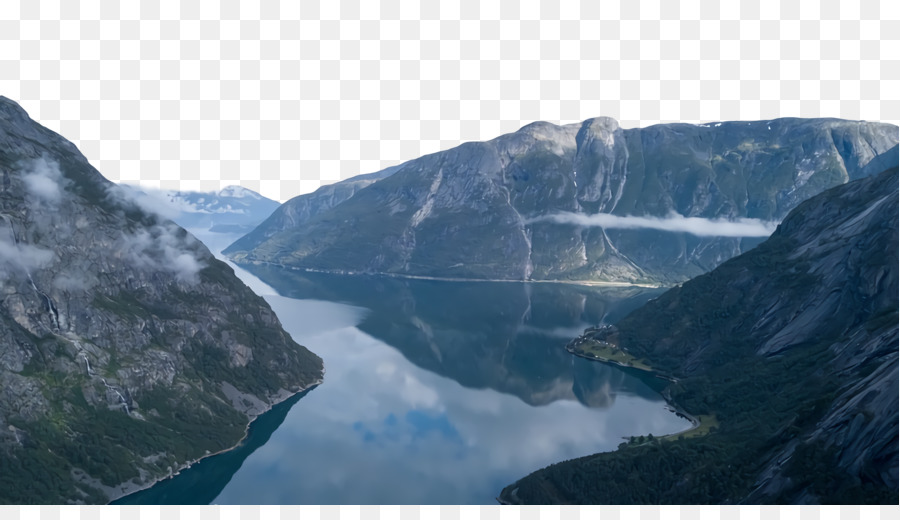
column 514, row 207
column 788, row 353
column 126, row 349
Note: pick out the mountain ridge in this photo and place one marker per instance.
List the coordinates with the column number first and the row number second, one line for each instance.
column 128, row 351
column 233, row 209
column 790, row 349
column 469, row 212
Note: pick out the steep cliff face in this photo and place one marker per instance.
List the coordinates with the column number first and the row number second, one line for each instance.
column 792, row 348
column 526, row 205
column 126, row 349
column 300, row 209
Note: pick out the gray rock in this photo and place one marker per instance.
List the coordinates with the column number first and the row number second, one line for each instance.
column 481, row 210
column 106, row 308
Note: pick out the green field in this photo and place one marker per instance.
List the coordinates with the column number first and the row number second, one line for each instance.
column 609, row 353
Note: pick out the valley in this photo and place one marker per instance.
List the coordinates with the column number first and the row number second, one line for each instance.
column 589, row 201
column 423, row 403
column 564, row 314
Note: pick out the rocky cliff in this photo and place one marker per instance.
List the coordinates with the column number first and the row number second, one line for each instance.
column 126, row 349
column 297, row 211
column 586, row 201
column 790, row 350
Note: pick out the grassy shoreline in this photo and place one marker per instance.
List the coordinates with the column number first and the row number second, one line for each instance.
column 608, row 353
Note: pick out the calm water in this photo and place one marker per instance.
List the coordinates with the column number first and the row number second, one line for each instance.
column 434, row 392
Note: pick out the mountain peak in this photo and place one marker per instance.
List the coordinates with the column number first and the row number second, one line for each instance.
column 500, row 209
column 8, row 105
column 238, row 192
column 121, row 335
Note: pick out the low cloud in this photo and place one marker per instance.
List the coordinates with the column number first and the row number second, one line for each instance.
column 66, row 282
column 169, row 204
column 160, row 248
column 20, row 258
column 44, row 181
column 148, row 201
column 744, row 227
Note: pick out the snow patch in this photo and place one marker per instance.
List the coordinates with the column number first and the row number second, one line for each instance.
column 238, row 192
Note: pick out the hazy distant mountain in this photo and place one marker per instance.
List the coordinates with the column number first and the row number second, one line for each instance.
column 126, row 349
column 582, row 201
column 232, row 209
column 791, row 349
column 297, row 211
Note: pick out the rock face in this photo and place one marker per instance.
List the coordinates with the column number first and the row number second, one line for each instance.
column 300, row 209
column 794, row 347
column 126, row 349
column 485, row 209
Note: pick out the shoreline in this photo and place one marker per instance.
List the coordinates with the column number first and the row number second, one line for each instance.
column 584, row 283
column 674, row 407
column 176, row 472
column 670, row 405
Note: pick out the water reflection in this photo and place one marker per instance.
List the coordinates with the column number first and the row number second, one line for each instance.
column 202, row 482
column 434, row 393
column 504, row 336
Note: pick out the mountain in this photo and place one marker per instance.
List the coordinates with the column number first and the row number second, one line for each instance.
column 127, row 350
column 300, row 209
column 788, row 354
column 232, row 209
column 589, row 201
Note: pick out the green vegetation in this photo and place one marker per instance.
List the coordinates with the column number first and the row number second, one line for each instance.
column 103, row 443
column 128, row 306
column 603, row 351
column 748, row 407
column 760, row 401
column 170, row 424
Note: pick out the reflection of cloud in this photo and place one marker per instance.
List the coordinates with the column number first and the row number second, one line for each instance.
column 417, row 394
column 744, row 227
column 414, row 430
column 361, row 438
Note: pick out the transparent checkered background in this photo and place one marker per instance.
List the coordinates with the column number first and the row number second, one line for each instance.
column 286, row 96
column 289, row 95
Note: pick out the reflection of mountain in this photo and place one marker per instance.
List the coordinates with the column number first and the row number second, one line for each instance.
column 791, row 349
column 202, row 482
column 504, row 336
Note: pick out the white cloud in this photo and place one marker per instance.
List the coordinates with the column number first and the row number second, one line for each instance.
column 44, row 181
column 21, row 257
column 66, row 282
column 160, row 248
column 745, row 227
column 152, row 202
